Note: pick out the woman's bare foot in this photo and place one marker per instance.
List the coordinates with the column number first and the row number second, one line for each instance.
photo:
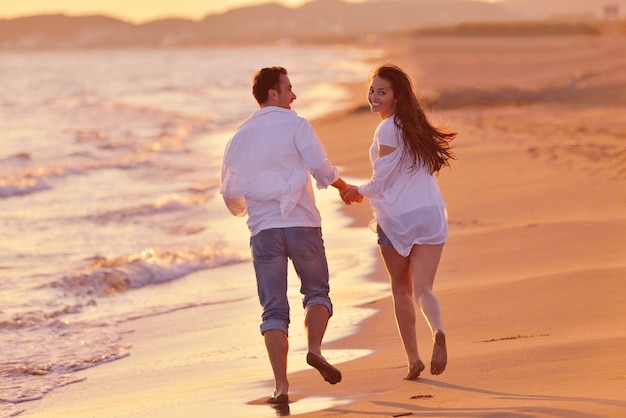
column 415, row 370
column 440, row 354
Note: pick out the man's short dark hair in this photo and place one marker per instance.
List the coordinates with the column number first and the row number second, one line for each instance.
column 264, row 80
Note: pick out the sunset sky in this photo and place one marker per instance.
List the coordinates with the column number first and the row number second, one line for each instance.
column 134, row 11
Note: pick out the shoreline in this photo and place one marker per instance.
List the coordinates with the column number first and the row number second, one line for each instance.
column 140, row 334
column 530, row 283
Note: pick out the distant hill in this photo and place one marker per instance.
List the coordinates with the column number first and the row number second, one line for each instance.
column 539, row 9
column 63, row 31
column 316, row 21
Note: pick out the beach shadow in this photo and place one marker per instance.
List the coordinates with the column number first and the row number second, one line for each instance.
column 282, row 410
column 418, row 405
column 514, row 396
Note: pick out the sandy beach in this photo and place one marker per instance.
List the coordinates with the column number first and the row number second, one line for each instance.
column 533, row 276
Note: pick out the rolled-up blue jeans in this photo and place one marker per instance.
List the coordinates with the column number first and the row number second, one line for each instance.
column 271, row 251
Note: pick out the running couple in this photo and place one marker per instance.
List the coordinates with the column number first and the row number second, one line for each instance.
column 266, row 175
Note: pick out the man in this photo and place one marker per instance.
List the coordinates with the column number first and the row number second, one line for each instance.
column 266, row 174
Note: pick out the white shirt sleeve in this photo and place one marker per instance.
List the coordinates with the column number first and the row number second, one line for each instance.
column 384, row 175
column 386, row 169
column 314, row 156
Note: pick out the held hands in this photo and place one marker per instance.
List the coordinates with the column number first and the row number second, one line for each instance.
column 350, row 194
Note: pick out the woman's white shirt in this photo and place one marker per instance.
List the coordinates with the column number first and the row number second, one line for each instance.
column 407, row 203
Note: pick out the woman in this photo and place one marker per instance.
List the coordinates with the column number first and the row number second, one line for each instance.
column 410, row 214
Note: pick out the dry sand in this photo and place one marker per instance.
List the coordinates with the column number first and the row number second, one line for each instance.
column 532, row 283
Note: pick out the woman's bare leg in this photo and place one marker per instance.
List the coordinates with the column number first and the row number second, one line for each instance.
column 398, row 269
column 424, row 263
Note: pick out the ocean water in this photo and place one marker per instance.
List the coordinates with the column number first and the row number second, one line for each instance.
column 110, row 211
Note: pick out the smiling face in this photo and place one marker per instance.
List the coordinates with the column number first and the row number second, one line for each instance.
column 381, row 97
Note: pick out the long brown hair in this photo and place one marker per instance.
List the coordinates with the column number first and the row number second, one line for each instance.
column 426, row 144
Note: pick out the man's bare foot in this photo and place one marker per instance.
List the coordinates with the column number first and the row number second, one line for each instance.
column 328, row 372
column 280, row 399
column 440, row 354
column 415, row 370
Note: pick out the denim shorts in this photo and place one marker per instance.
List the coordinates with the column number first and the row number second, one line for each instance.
column 271, row 251
column 383, row 240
